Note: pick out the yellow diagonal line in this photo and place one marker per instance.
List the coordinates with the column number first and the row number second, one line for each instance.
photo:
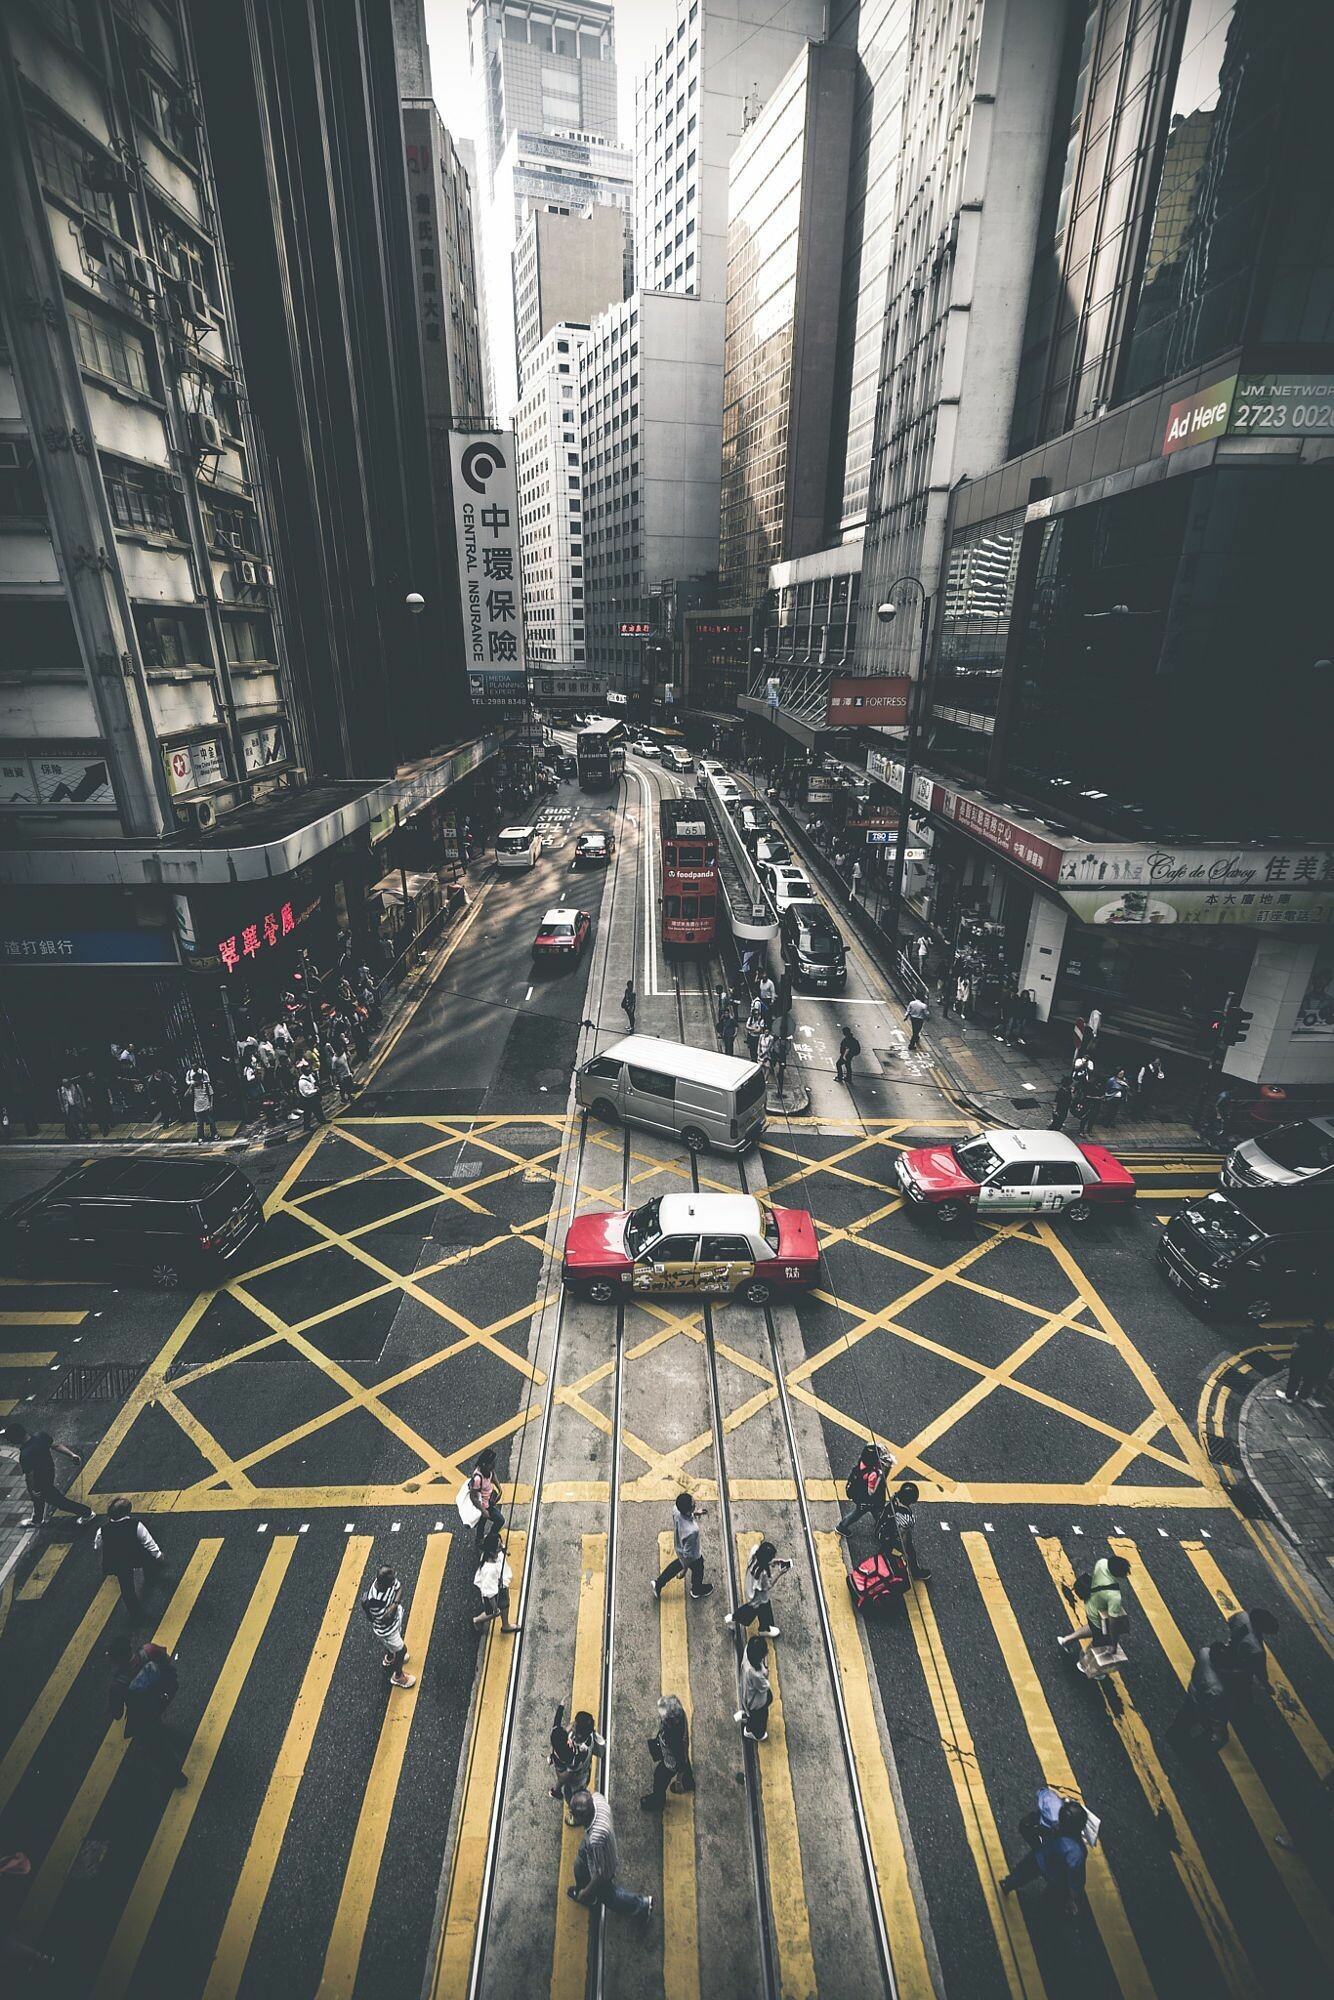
column 74, row 1828
column 1109, row 1912
column 343, row 1954
column 44, row 1710
column 1126, row 1454
column 1239, row 1977
column 1275, row 1838
column 203, row 1440
column 270, row 1828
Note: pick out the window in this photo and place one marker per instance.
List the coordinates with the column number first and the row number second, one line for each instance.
column 106, row 348
column 20, row 488
column 172, row 638
column 675, row 1250
column 64, row 167
column 141, row 501
column 725, row 1250
column 652, row 1083
column 247, row 639
column 1057, row 1173
column 1018, row 1175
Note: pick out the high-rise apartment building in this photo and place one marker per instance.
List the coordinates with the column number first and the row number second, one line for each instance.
column 548, row 434
column 158, row 830
column 693, row 104
column 467, row 153
column 788, row 189
column 651, row 391
column 568, row 265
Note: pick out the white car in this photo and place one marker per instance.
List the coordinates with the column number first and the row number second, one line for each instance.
column 646, row 749
column 786, row 884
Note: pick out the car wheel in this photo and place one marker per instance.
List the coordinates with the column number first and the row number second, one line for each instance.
column 947, row 1212
column 166, row 1275
column 695, row 1139
column 757, row 1292
column 1260, row 1309
column 1079, row 1211
column 604, row 1109
column 601, row 1291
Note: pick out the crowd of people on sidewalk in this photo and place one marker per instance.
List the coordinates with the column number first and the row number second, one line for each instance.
column 759, row 1009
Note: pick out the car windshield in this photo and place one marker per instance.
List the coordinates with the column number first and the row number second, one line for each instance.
column 1301, row 1149
column 1221, row 1225
column 642, row 1227
column 819, row 945
column 978, row 1159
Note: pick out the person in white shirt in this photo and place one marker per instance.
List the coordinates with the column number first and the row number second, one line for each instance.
column 126, row 1547
column 492, row 1582
column 917, row 1013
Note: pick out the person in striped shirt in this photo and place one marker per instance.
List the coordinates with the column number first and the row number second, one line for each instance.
column 383, row 1606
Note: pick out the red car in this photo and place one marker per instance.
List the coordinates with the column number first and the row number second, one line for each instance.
column 562, row 936
column 1014, row 1173
column 719, row 1244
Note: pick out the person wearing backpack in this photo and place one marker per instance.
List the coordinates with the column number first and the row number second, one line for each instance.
column 1057, row 1855
column 37, row 1463
column 484, row 1493
column 143, row 1686
column 867, row 1486
column 383, row 1606
column 897, row 1530
column 126, row 1547
column 200, row 1085
column 848, row 1051
column 573, row 1749
column 308, row 1090
column 762, row 1571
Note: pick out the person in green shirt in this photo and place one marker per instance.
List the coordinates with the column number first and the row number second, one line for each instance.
column 1103, row 1602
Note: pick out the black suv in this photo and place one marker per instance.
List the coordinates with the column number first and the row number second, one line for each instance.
column 167, row 1221
column 812, row 947
column 1229, row 1259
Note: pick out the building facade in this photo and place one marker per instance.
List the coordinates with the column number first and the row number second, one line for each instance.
column 693, row 104
column 157, row 756
column 548, row 430
column 568, row 265
column 786, row 204
column 542, row 68
column 651, row 391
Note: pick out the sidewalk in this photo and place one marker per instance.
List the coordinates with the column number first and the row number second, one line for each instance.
column 1287, row 1450
column 984, row 1075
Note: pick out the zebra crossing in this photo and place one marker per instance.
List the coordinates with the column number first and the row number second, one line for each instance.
column 321, row 1812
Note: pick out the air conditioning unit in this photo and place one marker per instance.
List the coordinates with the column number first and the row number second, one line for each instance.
column 236, row 542
column 105, row 175
column 205, row 434
column 198, row 813
column 136, row 271
column 246, row 572
column 266, row 575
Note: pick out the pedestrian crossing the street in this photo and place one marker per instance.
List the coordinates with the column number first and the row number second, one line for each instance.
column 329, row 1839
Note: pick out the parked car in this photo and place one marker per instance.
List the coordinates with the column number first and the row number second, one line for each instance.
column 812, row 947
column 1003, row 1172
column 720, row 1244
column 562, row 937
column 1224, row 1258
column 1293, row 1164
column 165, row 1221
column 594, row 850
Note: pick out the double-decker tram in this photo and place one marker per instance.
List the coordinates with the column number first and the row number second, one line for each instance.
column 689, row 874
column 601, row 752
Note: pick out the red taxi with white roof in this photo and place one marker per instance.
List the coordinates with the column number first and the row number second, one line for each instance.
column 561, row 937
column 1004, row 1173
column 723, row 1245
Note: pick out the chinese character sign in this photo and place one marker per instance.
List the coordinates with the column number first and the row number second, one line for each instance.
column 265, row 932
column 486, row 508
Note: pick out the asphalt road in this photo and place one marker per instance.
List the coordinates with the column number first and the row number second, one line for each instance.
column 312, row 1419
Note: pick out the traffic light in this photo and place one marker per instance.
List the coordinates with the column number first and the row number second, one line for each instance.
column 1231, row 1024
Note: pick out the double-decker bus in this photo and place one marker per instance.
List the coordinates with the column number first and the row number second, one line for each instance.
column 601, row 752
column 689, row 873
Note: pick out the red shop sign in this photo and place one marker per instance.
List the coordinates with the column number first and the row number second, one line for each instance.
column 873, row 698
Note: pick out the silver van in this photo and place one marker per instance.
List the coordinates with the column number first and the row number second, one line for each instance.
column 714, row 1101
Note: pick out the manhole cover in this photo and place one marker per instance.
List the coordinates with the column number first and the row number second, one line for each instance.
column 467, row 1170
column 109, row 1383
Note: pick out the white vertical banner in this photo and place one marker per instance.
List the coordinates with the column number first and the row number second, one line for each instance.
column 486, row 509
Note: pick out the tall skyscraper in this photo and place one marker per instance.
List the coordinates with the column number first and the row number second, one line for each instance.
column 547, row 78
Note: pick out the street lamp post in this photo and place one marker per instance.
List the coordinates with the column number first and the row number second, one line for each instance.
column 886, row 613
